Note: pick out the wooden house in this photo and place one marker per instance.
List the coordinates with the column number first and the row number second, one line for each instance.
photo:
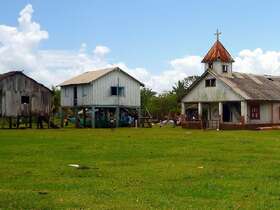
column 23, row 99
column 224, row 99
column 103, row 96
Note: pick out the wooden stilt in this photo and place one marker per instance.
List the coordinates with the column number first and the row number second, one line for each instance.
column 30, row 121
column 49, row 121
column 84, row 115
column 10, row 122
column 117, row 116
column 18, row 118
column 61, row 117
column 93, row 117
column 77, row 117
column 38, row 123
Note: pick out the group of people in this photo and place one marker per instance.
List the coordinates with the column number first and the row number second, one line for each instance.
column 104, row 117
column 175, row 121
column 127, row 119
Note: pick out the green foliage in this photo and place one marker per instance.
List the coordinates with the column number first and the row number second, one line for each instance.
column 158, row 168
column 55, row 99
column 164, row 106
column 167, row 104
column 146, row 96
column 180, row 88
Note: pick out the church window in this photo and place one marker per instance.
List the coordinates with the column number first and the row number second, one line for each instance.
column 210, row 82
column 225, row 68
column 255, row 112
column 210, row 65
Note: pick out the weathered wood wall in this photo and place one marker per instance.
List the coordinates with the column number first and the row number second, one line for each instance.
column 14, row 87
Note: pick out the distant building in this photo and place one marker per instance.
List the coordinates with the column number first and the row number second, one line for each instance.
column 23, row 99
column 222, row 98
column 104, row 96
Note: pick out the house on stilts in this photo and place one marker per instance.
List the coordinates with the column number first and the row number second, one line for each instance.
column 23, row 101
column 99, row 97
column 224, row 99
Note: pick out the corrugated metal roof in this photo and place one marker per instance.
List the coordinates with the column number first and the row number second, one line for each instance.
column 8, row 74
column 90, row 76
column 217, row 52
column 248, row 86
column 255, row 87
column 12, row 73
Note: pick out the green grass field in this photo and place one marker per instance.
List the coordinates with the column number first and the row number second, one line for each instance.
column 159, row 168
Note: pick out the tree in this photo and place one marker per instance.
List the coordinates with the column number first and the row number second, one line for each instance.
column 146, row 95
column 181, row 87
column 165, row 105
column 55, row 99
column 188, row 81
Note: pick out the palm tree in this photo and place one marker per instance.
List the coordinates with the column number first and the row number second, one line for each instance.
column 146, row 96
column 181, row 87
column 55, row 99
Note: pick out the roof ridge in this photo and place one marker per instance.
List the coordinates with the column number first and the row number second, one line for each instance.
column 90, row 76
column 259, row 75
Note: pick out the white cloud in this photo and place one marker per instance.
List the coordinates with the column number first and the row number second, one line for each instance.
column 258, row 62
column 19, row 50
column 101, row 51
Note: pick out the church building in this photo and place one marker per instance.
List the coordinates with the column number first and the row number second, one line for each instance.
column 224, row 99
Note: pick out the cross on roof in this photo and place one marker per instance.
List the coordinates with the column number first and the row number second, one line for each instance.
column 218, row 33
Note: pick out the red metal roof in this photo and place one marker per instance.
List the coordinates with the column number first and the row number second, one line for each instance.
column 217, row 52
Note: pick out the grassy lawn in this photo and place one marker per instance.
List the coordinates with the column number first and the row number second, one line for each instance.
column 159, row 168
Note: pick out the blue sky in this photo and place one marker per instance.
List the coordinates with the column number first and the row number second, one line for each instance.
column 149, row 34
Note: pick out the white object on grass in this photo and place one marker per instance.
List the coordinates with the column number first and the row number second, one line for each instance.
column 74, row 165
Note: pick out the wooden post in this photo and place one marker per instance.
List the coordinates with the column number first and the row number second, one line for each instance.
column 30, row 113
column 200, row 114
column 10, row 122
column 272, row 120
column 183, row 109
column 117, row 116
column 200, row 111
column 85, row 117
column 93, row 116
column 140, row 121
column 49, row 120
column 2, row 122
column 38, row 121
column 30, row 121
column 220, row 114
column 61, row 117
column 77, row 117
column 244, row 111
column 18, row 121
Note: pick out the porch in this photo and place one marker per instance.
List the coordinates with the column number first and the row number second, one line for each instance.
column 214, row 115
